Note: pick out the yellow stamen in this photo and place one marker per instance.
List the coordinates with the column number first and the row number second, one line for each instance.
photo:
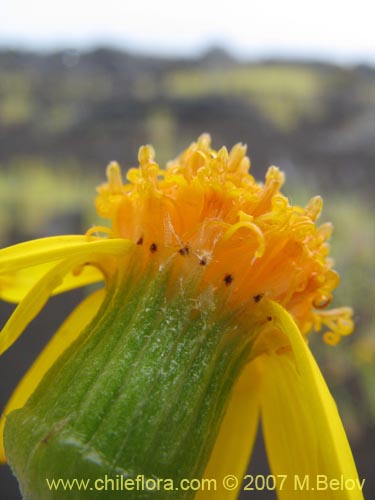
column 246, row 222
column 208, row 198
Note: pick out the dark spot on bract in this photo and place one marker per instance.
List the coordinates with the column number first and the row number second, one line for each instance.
column 228, row 278
column 153, row 247
column 258, row 298
column 57, row 427
column 47, row 438
column 269, row 318
column 184, row 250
column 140, row 241
column 203, row 261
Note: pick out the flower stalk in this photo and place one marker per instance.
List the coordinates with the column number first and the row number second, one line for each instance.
column 142, row 391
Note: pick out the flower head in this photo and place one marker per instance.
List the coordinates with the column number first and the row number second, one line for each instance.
column 213, row 282
column 206, row 206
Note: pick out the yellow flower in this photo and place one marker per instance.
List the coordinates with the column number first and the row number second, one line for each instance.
column 232, row 277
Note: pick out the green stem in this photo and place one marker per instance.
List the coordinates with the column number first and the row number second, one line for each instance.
column 142, row 392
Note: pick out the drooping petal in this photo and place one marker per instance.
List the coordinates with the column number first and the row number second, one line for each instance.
column 236, row 437
column 15, row 285
column 65, row 335
column 53, row 248
column 302, row 428
column 37, row 297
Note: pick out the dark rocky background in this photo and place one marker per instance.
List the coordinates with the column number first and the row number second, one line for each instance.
column 314, row 119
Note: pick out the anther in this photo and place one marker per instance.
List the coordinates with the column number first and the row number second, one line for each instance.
column 153, row 247
column 258, row 298
column 140, row 241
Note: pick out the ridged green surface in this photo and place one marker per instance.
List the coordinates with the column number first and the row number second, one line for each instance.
column 142, row 391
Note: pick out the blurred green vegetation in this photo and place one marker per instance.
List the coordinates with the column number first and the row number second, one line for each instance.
column 284, row 94
column 101, row 105
column 32, row 194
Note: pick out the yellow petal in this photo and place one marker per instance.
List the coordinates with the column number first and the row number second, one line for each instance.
column 43, row 250
column 15, row 285
column 303, row 431
column 66, row 334
column 95, row 252
column 236, row 437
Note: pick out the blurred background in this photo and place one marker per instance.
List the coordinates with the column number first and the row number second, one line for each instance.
column 82, row 84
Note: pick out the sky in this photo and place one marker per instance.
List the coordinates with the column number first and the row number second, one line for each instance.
column 337, row 30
